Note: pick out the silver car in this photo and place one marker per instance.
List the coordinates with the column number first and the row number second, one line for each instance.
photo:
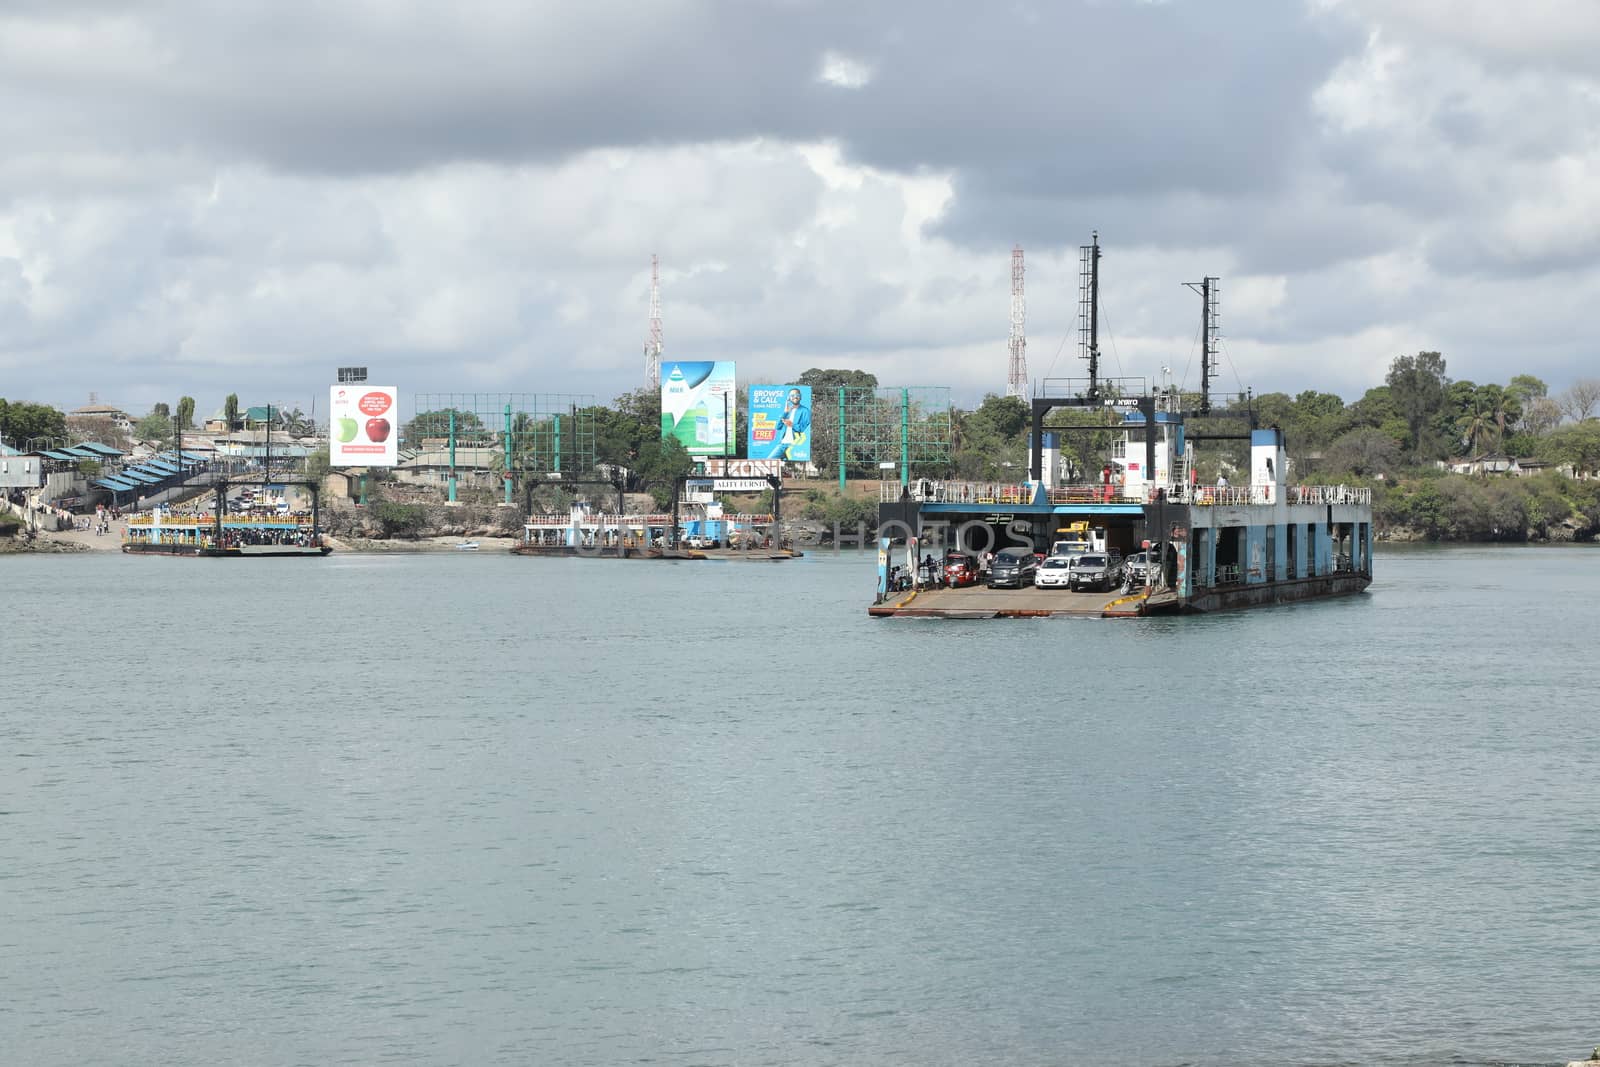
column 1093, row 571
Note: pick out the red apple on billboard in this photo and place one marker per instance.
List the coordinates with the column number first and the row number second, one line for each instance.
column 378, row 430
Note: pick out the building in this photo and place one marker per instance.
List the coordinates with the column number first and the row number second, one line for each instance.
column 93, row 414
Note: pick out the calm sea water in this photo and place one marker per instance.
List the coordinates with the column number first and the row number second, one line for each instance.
column 472, row 809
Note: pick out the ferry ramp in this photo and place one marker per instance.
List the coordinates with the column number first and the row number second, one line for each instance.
column 981, row 602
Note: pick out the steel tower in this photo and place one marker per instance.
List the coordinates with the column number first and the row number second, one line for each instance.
column 1017, row 376
column 652, row 347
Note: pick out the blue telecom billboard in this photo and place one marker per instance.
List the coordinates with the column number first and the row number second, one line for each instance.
column 697, row 404
column 780, row 422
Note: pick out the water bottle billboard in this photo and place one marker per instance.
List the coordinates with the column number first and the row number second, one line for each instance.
column 698, row 405
column 780, row 422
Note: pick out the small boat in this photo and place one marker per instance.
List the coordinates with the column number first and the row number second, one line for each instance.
column 467, row 546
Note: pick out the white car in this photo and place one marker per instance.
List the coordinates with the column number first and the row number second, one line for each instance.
column 1053, row 573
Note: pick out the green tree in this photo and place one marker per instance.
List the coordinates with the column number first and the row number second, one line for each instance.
column 623, row 430
column 1417, row 386
column 186, row 412
column 230, row 412
column 834, row 377
column 154, row 427
column 435, row 425
column 1577, row 446
column 1002, row 417
column 1525, row 387
column 1364, row 452
column 21, row 421
column 317, row 467
column 661, row 463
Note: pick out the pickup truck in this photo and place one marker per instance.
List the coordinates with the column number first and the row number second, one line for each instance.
column 1093, row 572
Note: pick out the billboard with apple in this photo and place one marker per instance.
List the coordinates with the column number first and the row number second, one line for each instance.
column 363, row 427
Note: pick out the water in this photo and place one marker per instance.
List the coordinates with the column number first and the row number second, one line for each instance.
column 470, row 809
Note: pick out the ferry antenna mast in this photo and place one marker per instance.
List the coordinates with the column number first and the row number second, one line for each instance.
column 652, row 346
column 1209, row 291
column 1089, row 311
column 1017, row 375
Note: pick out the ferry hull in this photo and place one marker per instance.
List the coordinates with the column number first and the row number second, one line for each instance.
column 1284, row 592
column 568, row 551
column 242, row 550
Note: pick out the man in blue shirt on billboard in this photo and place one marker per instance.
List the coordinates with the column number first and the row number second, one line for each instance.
column 796, row 426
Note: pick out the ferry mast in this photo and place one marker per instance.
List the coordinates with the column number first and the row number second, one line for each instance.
column 1209, row 292
column 1089, row 311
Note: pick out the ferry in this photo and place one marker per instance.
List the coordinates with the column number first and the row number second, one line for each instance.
column 583, row 531
column 1209, row 547
column 159, row 533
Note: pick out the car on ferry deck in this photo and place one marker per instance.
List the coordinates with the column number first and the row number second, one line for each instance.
column 1013, row 568
column 960, row 569
column 1054, row 573
column 1134, row 566
column 1092, row 571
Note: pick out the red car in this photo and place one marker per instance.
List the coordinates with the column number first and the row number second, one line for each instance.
column 960, row 569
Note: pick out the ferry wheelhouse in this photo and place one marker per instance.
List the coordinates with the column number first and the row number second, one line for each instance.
column 163, row 534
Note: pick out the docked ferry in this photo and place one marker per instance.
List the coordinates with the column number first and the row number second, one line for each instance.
column 162, row 534
column 583, row 531
column 1209, row 547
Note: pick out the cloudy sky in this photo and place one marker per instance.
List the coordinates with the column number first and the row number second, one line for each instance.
column 203, row 198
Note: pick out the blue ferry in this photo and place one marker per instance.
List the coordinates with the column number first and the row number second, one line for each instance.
column 1204, row 547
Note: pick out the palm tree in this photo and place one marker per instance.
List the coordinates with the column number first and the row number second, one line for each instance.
column 1504, row 411
column 1477, row 425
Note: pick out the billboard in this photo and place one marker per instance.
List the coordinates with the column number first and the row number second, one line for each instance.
column 363, row 426
column 780, row 422
column 697, row 405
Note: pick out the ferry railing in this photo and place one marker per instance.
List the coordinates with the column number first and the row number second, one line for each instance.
column 929, row 491
column 1225, row 495
column 1093, row 494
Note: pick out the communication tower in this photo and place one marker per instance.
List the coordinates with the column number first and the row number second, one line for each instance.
column 1017, row 377
column 652, row 347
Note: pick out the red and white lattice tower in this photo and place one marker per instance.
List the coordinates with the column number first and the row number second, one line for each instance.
column 652, row 347
column 1017, row 376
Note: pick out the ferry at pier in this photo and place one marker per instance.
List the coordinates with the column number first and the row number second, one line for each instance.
column 1209, row 547
column 603, row 535
column 161, row 534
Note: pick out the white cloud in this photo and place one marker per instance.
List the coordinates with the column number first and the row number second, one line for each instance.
column 843, row 72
